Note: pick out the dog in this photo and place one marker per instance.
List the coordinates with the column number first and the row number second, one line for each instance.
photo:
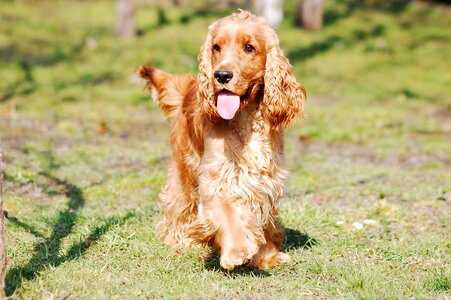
column 226, row 177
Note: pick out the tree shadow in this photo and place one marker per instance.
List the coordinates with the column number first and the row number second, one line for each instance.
column 356, row 36
column 204, row 12
column 294, row 239
column 394, row 7
column 23, row 86
column 330, row 42
column 28, row 228
column 47, row 252
column 55, row 53
column 27, row 58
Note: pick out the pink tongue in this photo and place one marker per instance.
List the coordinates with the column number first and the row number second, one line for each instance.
column 227, row 105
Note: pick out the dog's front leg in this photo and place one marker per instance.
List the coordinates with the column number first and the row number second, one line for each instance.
column 269, row 254
column 237, row 237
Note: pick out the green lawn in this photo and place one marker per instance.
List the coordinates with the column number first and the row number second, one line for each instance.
column 86, row 153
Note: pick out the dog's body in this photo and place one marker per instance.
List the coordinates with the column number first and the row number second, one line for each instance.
column 226, row 178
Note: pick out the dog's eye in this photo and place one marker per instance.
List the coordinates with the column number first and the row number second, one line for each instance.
column 249, row 48
column 216, row 48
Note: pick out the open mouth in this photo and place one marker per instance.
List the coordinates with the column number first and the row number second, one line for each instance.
column 228, row 103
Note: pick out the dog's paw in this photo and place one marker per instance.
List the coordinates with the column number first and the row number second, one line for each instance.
column 282, row 258
column 237, row 257
column 270, row 261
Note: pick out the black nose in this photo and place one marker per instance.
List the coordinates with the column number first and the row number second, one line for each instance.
column 223, row 76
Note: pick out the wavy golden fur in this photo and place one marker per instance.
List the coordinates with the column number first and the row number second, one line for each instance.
column 226, row 177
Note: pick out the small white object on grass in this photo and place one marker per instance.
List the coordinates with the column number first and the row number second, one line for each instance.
column 340, row 222
column 370, row 222
column 357, row 225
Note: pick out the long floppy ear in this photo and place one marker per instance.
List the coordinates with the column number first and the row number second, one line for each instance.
column 205, row 91
column 284, row 96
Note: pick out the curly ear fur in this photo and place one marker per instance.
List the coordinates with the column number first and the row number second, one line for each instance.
column 284, row 97
column 204, row 81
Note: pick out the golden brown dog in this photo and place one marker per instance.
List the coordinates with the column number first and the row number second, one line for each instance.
column 226, row 177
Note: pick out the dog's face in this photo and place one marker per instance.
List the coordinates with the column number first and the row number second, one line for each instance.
column 241, row 62
column 238, row 61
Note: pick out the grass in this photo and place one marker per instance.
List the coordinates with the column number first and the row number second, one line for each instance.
column 86, row 154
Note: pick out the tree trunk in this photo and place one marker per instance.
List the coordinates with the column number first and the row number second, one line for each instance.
column 2, row 237
column 271, row 10
column 310, row 14
column 125, row 21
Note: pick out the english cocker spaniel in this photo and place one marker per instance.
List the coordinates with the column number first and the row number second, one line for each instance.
column 226, row 177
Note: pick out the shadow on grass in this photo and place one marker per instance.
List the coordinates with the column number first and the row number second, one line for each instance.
column 23, row 86
column 332, row 41
column 45, row 52
column 205, row 12
column 20, row 54
column 294, row 240
column 355, row 36
column 29, row 228
column 47, row 252
column 27, row 60
column 394, row 7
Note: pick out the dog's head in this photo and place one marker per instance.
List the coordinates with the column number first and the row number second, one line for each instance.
column 241, row 62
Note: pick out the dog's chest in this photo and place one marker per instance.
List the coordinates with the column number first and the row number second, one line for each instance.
column 250, row 147
column 243, row 159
